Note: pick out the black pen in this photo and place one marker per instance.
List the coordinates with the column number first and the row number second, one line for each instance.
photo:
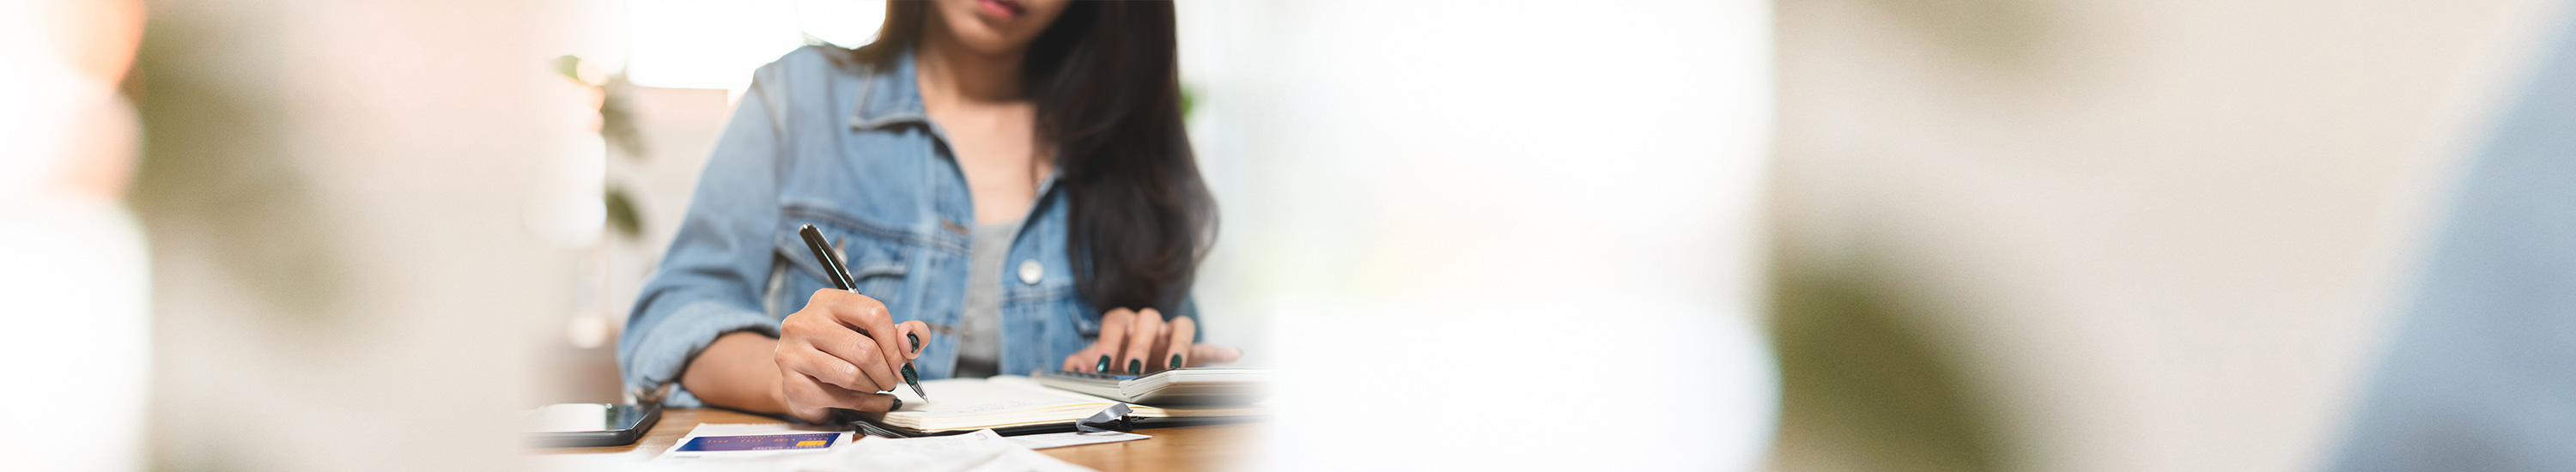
column 840, row 276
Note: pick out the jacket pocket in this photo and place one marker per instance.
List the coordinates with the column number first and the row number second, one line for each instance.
column 877, row 255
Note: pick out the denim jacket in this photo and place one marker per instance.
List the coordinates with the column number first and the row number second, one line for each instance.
column 823, row 139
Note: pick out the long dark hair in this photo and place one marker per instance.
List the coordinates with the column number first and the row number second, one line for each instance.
column 1106, row 81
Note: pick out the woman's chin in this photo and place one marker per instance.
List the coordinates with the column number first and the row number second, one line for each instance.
column 988, row 45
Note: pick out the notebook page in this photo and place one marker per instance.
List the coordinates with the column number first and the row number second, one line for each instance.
column 1003, row 400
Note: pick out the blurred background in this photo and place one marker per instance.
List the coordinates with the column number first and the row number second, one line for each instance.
column 1800, row 235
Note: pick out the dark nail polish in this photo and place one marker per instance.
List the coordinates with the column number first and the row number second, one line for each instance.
column 908, row 376
column 916, row 342
column 1135, row 366
column 1176, row 361
column 898, row 405
column 1104, row 365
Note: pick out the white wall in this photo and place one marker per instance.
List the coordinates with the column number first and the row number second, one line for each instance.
column 1483, row 217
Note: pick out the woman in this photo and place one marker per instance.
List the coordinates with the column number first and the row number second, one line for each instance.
column 1007, row 180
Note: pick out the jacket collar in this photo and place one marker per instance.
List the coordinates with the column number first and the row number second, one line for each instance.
column 889, row 96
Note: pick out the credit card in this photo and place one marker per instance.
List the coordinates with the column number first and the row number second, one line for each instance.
column 766, row 442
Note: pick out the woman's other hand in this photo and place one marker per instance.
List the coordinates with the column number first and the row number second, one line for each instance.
column 833, row 354
column 1139, row 341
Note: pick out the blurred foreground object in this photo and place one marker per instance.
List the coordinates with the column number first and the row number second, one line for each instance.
column 72, row 262
column 2110, row 236
column 2481, row 372
column 343, row 273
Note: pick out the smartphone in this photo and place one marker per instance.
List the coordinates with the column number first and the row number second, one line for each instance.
column 591, row 424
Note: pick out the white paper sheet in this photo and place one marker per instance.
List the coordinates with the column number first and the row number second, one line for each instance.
column 979, row 451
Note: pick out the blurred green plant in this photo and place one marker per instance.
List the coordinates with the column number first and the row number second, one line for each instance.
column 617, row 128
column 1864, row 387
column 622, row 215
column 218, row 177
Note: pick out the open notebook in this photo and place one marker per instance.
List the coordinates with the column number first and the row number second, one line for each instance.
column 1013, row 404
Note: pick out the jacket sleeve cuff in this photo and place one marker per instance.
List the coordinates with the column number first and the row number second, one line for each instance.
column 664, row 352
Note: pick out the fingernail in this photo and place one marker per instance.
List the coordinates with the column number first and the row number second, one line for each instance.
column 1135, row 366
column 1176, row 361
column 908, row 376
column 916, row 342
column 898, row 405
column 1104, row 364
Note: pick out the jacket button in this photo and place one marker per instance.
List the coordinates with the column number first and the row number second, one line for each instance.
column 1030, row 271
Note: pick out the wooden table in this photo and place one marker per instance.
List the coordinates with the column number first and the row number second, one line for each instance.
column 1213, row 447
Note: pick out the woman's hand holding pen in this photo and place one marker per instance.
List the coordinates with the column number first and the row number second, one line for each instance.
column 1140, row 341
column 832, row 355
